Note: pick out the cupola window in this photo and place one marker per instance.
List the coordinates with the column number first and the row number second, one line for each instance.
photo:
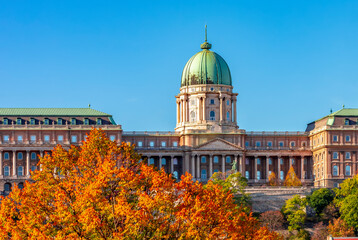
column 212, row 101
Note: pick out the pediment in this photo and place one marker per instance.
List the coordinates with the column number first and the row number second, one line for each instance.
column 218, row 144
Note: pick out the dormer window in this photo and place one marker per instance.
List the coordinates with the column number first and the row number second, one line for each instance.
column 59, row 121
column 99, row 121
column 32, row 121
column 18, row 121
column 346, row 122
column 47, row 121
column 86, row 121
column 6, row 121
column 73, row 121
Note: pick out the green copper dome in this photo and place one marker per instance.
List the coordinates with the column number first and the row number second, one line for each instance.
column 206, row 67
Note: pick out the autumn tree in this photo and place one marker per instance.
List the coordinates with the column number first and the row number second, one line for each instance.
column 291, row 179
column 273, row 220
column 347, row 201
column 100, row 190
column 339, row 228
column 273, row 180
column 295, row 212
column 320, row 231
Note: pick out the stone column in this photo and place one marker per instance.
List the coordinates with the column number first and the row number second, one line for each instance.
column 234, row 110
column 198, row 166
column 243, row 165
column 178, row 111
column 1, row 164
column 279, row 168
column 14, row 163
column 267, row 167
column 354, row 162
column 255, row 168
column 223, row 170
column 148, row 160
column 204, row 110
column 160, row 162
column 41, row 155
column 172, row 164
column 290, row 162
column 210, row 166
column 221, row 109
column 302, row 168
column 341, row 164
column 193, row 165
column 27, row 163
column 237, row 164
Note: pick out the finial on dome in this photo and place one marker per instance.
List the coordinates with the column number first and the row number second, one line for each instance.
column 205, row 45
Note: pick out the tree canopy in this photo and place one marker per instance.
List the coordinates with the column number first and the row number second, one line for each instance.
column 320, row 199
column 101, row 190
column 291, row 179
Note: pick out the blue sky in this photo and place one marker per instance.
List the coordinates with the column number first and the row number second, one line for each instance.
column 291, row 61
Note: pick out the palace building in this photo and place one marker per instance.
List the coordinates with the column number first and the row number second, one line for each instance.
column 206, row 139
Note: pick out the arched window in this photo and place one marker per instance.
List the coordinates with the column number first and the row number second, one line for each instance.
column 7, row 187
column 212, row 116
column 6, row 171
column 175, row 161
column 203, row 174
column 348, row 170
column 20, row 170
column 335, row 170
column 203, row 159
column 164, row 161
column 228, row 159
column 192, row 116
column 216, row 159
column 151, row 161
column 228, row 116
column 19, row 155
column 33, row 156
column 348, row 155
column 21, row 185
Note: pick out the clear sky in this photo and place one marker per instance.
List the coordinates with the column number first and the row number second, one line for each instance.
column 291, row 61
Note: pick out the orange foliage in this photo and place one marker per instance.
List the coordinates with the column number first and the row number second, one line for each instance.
column 101, row 191
column 291, row 179
column 339, row 228
column 273, row 181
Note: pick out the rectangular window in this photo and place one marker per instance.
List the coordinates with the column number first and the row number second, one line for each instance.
column 6, row 121
column 112, row 137
column 335, row 138
column 228, row 103
column 212, row 101
column 6, row 138
column 270, row 161
column 60, row 138
column 247, row 174
column 247, row 143
column 151, row 144
column 228, row 159
column 203, row 159
column 86, row 121
column 258, row 161
column 6, row 156
column 175, row 144
column 20, row 171
column 47, row 138
column 6, row 171
column 269, row 144
column 19, row 139
column 281, row 161
column 348, row 138
column 281, row 175
column 73, row 138
column 335, row 155
column 32, row 121
column 348, row 155
column 280, row 144
column 59, row 121
column 258, row 175
column 99, row 121
column 216, row 159
column 258, row 144
column 73, row 121
column 140, row 144
column 33, row 138
column 163, row 144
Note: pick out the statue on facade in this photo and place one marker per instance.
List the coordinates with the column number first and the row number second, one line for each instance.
column 234, row 166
